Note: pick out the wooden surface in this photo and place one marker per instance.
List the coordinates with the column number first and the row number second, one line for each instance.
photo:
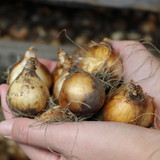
column 151, row 5
column 11, row 50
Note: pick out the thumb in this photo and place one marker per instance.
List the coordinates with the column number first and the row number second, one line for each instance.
column 6, row 110
column 83, row 140
column 59, row 137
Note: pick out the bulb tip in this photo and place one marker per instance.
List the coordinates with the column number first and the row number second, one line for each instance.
column 31, row 52
column 32, row 49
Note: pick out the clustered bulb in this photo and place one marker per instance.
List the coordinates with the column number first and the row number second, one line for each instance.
column 82, row 93
column 129, row 104
column 52, row 114
column 60, row 72
column 86, row 84
column 63, row 64
column 41, row 70
column 97, row 57
column 28, row 94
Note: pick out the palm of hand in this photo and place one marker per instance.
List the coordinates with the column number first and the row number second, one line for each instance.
column 108, row 135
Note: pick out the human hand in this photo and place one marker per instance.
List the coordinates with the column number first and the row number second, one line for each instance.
column 141, row 66
column 91, row 140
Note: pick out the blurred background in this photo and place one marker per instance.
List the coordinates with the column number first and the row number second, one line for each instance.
column 38, row 23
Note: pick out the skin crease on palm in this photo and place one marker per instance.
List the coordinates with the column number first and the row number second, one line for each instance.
column 93, row 140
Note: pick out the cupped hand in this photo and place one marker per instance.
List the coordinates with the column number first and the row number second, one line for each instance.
column 93, row 140
column 141, row 66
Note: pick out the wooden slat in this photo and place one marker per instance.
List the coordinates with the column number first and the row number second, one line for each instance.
column 151, row 5
column 10, row 50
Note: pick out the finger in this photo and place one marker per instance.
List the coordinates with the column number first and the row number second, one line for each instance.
column 125, row 48
column 139, row 65
column 26, row 131
column 42, row 136
column 6, row 110
column 35, row 153
column 138, row 62
column 49, row 64
column 80, row 139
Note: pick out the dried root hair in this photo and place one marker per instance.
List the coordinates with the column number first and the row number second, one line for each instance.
column 62, row 115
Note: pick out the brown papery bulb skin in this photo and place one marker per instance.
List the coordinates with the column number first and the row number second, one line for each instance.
column 41, row 70
column 52, row 114
column 129, row 104
column 27, row 93
column 82, row 93
column 97, row 57
column 58, row 85
column 63, row 64
column 78, row 54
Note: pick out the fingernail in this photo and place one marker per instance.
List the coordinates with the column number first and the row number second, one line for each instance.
column 8, row 137
column 6, row 127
